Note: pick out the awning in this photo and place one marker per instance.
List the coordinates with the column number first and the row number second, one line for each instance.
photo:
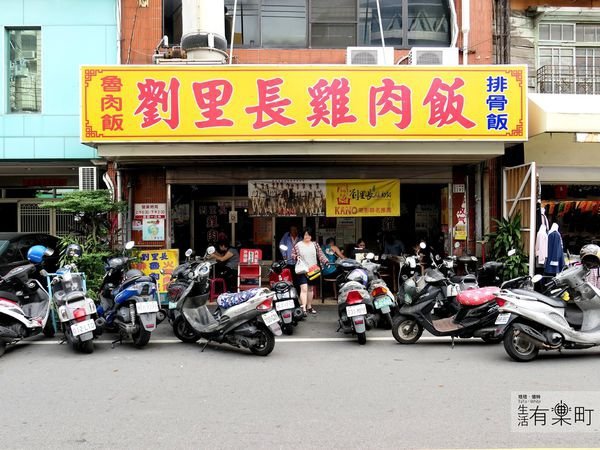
column 563, row 113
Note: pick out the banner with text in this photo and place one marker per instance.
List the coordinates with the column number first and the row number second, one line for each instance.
column 287, row 198
column 159, row 264
column 303, row 103
column 363, row 198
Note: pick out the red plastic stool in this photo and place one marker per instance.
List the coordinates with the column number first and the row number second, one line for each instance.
column 217, row 287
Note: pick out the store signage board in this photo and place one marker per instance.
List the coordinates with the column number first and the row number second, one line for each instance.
column 302, row 103
column 334, row 198
column 159, row 264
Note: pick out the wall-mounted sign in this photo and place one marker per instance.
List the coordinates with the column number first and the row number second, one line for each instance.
column 303, row 103
column 159, row 264
column 363, row 198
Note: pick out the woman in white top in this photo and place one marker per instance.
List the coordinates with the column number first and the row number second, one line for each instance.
column 306, row 253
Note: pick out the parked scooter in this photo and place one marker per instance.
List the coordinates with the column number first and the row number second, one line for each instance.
column 286, row 300
column 76, row 313
column 24, row 303
column 531, row 321
column 432, row 302
column 242, row 319
column 384, row 300
column 129, row 301
column 189, row 279
column 355, row 305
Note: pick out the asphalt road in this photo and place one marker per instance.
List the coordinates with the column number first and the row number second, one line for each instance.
column 318, row 389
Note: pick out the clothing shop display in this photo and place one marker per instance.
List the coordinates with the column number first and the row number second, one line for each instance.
column 541, row 245
column 555, row 259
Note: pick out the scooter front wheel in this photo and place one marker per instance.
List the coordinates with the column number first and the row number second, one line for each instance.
column 266, row 341
column 519, row 348
column 406, row 330
column 183, row 331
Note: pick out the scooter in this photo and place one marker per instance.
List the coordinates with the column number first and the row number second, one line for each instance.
column 286, row 300
column 24, row 304
column 76, row 312
column 129, row 301
column 189, row 279
column 384, row 301
column 242, row 319
column 567, row 318
column 355, row 305
column 434, row 303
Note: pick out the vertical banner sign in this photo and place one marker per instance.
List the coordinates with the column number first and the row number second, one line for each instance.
column 150, row 218
column 159, row 264
column 363, row 198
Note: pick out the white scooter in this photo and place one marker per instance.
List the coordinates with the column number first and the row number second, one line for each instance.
column 532, row 321
column 24, row 303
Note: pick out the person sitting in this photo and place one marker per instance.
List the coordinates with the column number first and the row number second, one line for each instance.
column 228, row 260
column 360, row 249
column 332, row 253
column 392, row 245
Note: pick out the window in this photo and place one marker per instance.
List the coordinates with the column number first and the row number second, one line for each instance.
column 340, row 23
column 25, row 74
column 564, row 32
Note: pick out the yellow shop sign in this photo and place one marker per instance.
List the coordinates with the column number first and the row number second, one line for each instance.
column 302, row 103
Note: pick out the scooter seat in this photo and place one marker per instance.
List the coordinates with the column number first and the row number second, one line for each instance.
column 479, row 296
column 229, row 299
column 550, row 301
column 62, row 298
column 9, row 296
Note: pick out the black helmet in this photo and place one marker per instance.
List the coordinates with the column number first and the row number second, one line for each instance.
column 590, row 255
column 73, row 250
column 277, row 267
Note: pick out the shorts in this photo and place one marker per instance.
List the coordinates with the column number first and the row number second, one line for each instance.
column 302, row 279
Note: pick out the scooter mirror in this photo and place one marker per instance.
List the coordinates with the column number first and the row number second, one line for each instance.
column 511, row 252
column 129, row 245
column 189, row 252
column 412, row 263
column 283, row 248
column 423, row 245
column 210, row 250
column 370, row 255
column 536, row 278
column 48, row 252
column 473, row 258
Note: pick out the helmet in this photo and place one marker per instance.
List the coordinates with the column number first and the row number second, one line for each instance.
column 73, row 250
column 590, row 255
column 133, row 273
column 277, row 267
column 36, row 253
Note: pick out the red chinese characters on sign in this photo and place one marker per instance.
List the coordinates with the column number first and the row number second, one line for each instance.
column 210, row 97
column 270, row 104
column 154, row 94
column 336, row 94
column 446, row 105
column 112, row 122
column 391, row 98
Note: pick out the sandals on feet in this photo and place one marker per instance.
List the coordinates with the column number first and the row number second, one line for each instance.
column 311, row 310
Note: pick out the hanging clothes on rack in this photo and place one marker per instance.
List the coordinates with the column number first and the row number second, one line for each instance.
column 541, row 245
column 555, row 260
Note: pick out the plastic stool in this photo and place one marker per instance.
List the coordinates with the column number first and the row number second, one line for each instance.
column 217, row 287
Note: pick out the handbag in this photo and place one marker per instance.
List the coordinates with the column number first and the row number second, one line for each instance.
column 313, row 272
column 301, row 267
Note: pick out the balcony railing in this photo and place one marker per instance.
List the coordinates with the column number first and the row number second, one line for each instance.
column 568, row 80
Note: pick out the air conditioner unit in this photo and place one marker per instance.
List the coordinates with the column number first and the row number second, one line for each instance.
column 87, row 179
column 380, row 56
column 440, row 56
column 28, row 54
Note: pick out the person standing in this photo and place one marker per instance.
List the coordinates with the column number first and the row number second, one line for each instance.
column 307, row 253
column 289, row 239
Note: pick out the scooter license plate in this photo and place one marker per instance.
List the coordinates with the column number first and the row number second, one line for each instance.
column 502, row 319
column 356, row 310
column 381, row 302
column 287, row 304
column 146, row 307
column 270, row 318
column 83, row 327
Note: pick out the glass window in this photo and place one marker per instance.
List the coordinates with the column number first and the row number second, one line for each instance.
column 544, row 31
column 247, row 30
column 392, row 21
column 428, row 23
column 25, row 74
column 329, row 35
column 283, row 23
column 333, row 23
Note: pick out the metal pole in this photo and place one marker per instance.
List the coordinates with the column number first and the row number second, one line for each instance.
column 380, row 26
column 232, row 31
